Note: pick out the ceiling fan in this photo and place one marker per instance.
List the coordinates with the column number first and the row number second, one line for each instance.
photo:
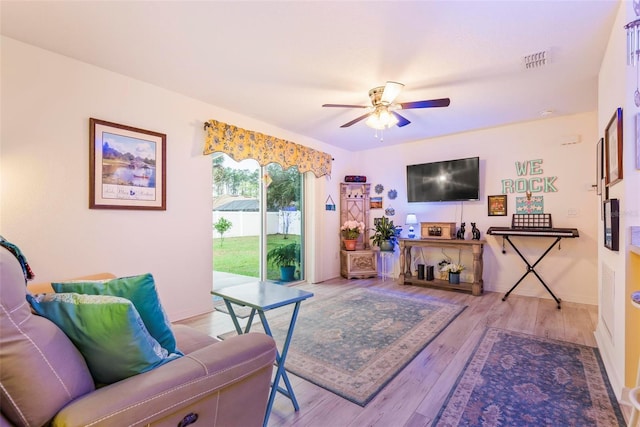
column 383, row 113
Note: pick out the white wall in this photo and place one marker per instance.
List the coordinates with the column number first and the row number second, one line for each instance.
column 569, row 272
column 616, row 86
column 47, row 100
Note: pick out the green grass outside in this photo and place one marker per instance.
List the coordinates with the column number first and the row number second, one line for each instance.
column 240, row 255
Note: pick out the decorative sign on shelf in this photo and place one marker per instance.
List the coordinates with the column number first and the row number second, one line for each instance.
column 355, row 178
column 536, row 184
column 529, row 204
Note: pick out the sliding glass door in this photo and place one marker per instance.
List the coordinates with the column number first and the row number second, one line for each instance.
column 257, row 222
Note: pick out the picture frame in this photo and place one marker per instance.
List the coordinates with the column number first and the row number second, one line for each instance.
column 599, row 165
column 127, row 167
column 497, row 205
column 613, row 149
column 611, row 224
column 638, row 141
column 375, row 202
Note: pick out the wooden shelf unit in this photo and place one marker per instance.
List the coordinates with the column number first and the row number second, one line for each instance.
column 476, row 246
column 354, row 206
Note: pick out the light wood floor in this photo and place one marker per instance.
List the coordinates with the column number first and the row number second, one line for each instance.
column 414, row 397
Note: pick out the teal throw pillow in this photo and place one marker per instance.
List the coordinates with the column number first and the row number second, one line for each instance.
column 141, row 291
column 107, row 330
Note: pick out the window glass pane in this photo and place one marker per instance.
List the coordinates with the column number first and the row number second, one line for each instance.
column 284, row 223
column 236, row 221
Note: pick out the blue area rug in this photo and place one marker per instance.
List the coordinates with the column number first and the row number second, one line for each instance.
column 354, row 343
column 515, row 379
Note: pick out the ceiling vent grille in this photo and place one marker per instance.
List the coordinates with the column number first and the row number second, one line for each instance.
column 536, row 60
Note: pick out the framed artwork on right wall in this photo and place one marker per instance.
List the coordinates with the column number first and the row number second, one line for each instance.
column 613, row 149
column 611, row 224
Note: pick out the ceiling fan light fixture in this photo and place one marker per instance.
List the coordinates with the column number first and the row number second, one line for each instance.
column 381, row 119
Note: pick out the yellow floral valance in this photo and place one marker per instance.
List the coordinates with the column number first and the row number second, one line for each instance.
column 242, row 144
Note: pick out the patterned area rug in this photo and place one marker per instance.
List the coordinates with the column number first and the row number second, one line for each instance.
column 354, row 343
column 515, row 379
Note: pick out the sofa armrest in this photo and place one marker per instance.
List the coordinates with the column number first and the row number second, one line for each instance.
column 226, row 383
column 45, row 287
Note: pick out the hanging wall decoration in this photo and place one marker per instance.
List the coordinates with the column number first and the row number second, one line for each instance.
column 529, row 204
column 330, row 205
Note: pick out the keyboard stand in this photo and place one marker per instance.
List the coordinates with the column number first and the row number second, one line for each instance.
column 531, row 268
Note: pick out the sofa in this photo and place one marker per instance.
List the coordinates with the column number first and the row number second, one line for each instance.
column 44, row 379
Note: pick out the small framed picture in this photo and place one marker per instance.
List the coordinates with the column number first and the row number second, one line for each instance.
column 497, row 205
column 613, row 148
column 611, row 224
column 375, row 202
column 127, row 167
column 638, row 141
column 599, row 165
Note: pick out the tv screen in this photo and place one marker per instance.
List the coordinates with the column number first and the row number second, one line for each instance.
column 449, row 180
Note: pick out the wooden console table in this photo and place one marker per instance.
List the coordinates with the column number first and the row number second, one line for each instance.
column 475, row 246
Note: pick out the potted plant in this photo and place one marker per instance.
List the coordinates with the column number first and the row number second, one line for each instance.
column 385, row 234
column 454, row 271
column 286, row 257
column 351, row 230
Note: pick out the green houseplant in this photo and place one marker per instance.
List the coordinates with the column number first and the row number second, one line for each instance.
column 287, row 257
column 385, row 234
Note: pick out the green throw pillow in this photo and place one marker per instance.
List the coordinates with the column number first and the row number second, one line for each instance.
column 141, row 291
column 107, row 330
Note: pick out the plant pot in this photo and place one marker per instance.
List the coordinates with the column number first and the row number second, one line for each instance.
column 386, row 246
column 350, row 245
column 287, row 272
column 454, row 278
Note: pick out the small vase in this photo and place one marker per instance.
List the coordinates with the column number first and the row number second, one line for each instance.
column 454, row 278
column 350, row 245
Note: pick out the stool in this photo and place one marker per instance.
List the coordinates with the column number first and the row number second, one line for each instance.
column 386, row 264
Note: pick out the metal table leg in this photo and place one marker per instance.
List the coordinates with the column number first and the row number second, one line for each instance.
column 234, row 318
column 531, row 269
column 280, row 361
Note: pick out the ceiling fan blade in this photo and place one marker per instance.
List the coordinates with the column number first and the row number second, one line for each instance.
column 401, row 120
column 345, row 106
column 443, row 102
column 356, row 120
column 390, row 92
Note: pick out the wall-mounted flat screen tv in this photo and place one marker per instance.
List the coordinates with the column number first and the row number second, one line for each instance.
column 450, row 180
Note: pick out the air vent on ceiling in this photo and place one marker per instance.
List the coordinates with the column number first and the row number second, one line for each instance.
column 536, row 60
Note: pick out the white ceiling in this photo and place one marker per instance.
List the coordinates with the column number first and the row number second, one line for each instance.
column 279, row 61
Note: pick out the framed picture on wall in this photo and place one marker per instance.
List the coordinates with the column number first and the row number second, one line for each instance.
column 638, row 141
column 599, row 165
column 613, row 148
column 375, row 202
column 127, row 167
column 497, row 205
column 611, row 224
